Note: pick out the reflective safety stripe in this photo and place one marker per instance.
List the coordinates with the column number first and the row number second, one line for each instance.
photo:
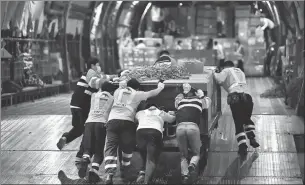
column 83, row 78
column 110, row 158
column 240, row 134
column 126, row 163
column 249, row 126
column 242, row 141
column 191, row 100
column 110, row 166
column 190, row 105
column 126, row 155
column 95, row 164
column 82, row 84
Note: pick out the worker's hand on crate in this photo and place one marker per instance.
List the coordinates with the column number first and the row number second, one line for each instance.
column 199, row 93
column 161, row 85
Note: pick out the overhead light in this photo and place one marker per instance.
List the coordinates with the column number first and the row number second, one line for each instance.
column 180, row 4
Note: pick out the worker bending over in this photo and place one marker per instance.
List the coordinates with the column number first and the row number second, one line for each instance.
column 95, row 131
column 189, row 104
column 234, row 82
column 149, row 138
column 121, row 129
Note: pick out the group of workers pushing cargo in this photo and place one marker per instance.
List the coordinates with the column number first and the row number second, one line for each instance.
column 116, row 119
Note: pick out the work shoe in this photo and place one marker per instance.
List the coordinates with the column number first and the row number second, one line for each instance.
column 93, row 176
column 185, row 179
column 78, row 162
column 141, row 177
column 254, row 143
column 192, row 168
column 109, row 179
column 61, row 143
column 83, row 167
column 242, row 150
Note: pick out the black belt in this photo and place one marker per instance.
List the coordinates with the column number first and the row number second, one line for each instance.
column 236, row 97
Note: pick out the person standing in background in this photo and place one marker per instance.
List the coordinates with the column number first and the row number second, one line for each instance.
column 157, row 17
column 220, row 54
column 267, row 25
column 178, row 46
column 209, row 44
column 239, row 52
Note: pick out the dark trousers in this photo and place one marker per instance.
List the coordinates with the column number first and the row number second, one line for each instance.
column 221, row 63
column 94, row 141
column 150, row 143
column 241, row 105
column 120, row 133
column 240, row 64
column 79, row 117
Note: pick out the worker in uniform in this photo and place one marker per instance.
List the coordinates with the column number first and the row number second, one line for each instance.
column 220, row 54
column 95, row 131
column 80, row 108
column 234, row 82
column 239, row 52
column 149, row 138
column 121, row 128
column 189, row 104
column 267, row 25
column 165, row 58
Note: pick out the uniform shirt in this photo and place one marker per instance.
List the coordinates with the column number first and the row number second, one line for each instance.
column 267, row 23
column 154, row 119
column 157, row 14
column 126, row 102
column 78, row 97
column 240, row 51
column 220, row 52
column 232, row 79
column 101, row 103
column 93, row 87
column 190, row 109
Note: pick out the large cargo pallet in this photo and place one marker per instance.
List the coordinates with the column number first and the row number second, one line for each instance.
column 209, row 119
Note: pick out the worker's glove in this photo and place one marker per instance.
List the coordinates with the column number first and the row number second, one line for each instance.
column 123, row 84
column 200, row 93
column 161, row 85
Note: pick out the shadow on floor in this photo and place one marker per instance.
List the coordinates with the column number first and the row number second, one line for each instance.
column 168, row 169
column 299, row 144
column 238, row 169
